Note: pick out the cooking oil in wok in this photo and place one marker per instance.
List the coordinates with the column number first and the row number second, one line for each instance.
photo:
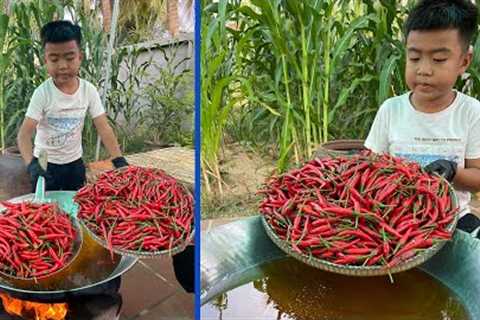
column 291, row 290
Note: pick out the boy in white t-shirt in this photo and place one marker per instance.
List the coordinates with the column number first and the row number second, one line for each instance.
column 433, row 123
column 57, row 112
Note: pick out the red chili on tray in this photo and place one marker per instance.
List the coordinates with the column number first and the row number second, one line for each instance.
column 35, row 239
column 137, row 209
column 365, row 210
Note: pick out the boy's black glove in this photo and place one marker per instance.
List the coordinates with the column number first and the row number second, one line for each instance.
column 119, row 162
column 35, row 171
column 445, row 168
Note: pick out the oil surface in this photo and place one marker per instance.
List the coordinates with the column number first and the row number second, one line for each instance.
column 291, row 290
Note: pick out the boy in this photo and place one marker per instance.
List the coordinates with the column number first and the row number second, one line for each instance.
column 57, row 112
column 433, row 123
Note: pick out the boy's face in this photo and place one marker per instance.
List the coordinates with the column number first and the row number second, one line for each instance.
column 63, row 61
column 435, row 59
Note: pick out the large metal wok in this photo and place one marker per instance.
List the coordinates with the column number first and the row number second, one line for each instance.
column 233, row 254
column 94, row 271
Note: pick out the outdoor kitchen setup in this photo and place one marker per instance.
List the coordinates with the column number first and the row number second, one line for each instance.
column 90, row 285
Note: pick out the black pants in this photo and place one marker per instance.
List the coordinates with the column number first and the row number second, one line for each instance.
column 184, row 267
column 69, row 176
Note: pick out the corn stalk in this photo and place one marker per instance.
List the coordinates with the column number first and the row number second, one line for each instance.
column 218, row 80
column 5, row 52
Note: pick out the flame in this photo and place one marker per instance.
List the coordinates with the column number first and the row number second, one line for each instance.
column 36, row 310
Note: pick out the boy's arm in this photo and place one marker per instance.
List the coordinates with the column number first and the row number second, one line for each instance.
column 107, row 135
column 468, row 178
column 24, row 139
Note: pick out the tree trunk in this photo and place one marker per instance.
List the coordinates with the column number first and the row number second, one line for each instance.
column 107, row 14
column 172, row 16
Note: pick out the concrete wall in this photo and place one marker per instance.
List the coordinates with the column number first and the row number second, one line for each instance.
column 180, row 48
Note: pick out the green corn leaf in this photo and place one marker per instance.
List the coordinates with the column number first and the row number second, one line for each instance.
column 345, row 41
column 385, row 78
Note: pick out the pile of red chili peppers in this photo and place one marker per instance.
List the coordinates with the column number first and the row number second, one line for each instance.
column 367, row 210
column 35, row 239
column 136, row 208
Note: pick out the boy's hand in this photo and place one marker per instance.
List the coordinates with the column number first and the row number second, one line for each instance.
column 445, row 168
column 119, row 162
column 35, row 171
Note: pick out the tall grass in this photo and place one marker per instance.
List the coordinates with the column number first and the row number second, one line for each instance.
column 300, row 73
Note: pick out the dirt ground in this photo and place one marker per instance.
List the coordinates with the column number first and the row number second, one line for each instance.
column 244, row 172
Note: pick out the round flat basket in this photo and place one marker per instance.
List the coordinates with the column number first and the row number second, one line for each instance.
column 363, row 271
column 141, row 254
column 138, row 253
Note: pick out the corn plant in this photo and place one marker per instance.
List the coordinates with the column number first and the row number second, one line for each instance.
column 470, row 82
column 4, row 63
column 24, row 57
column 218, row 80
column 310, row 71
column 294, row 59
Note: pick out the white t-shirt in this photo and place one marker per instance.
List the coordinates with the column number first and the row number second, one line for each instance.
column 452, row 134
column 60, row 119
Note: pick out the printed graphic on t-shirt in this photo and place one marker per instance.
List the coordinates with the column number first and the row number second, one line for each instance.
column 64, row 130
column 425, row 159
column 427, row 150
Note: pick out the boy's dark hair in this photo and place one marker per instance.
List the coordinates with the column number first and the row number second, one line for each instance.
column 442, row 15
column 60, row 31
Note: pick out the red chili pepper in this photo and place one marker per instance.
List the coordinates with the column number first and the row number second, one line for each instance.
column 417, row 242
column 375, row 259
column 321, row 229
column 358, row 250
column 339, row 210
column 349, row 259
column 403, row 239
column 391, row 230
